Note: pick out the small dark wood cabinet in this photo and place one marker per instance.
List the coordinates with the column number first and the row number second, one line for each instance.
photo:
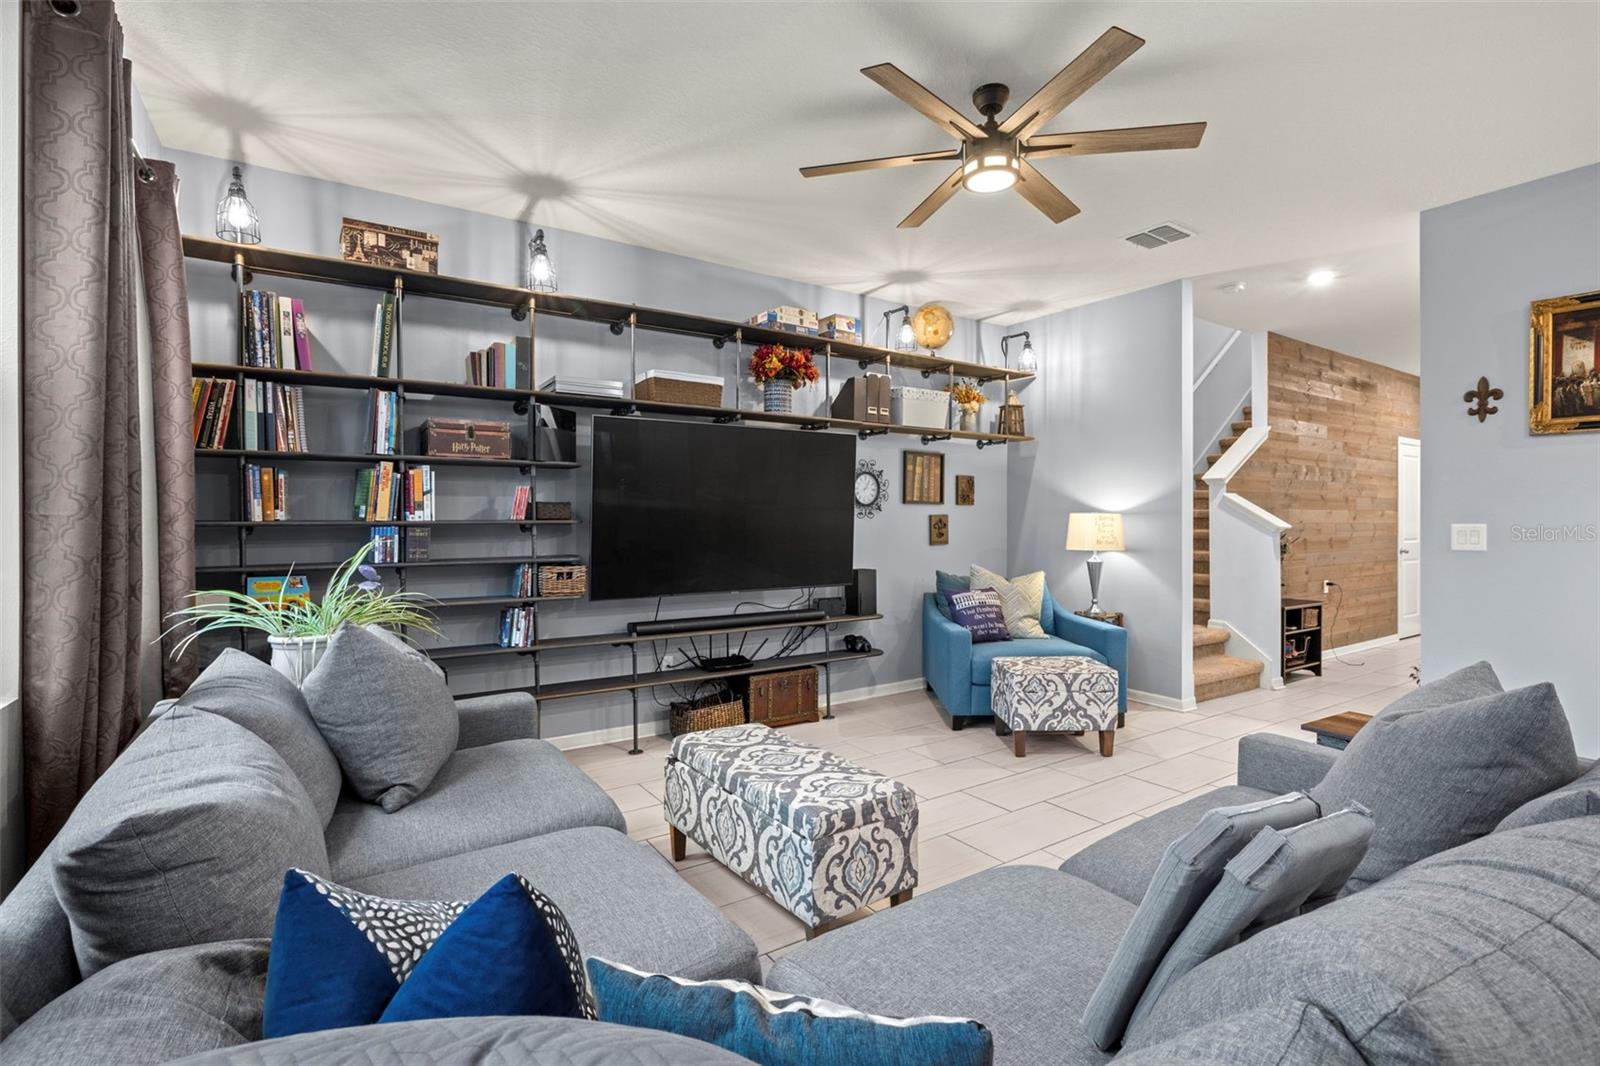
column 1302, row 636
column 783, row 698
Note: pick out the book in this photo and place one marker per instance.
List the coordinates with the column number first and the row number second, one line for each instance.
column 294, row 588
column 522, row 359
column 302, row 335
column 225, row 415
column 385, row 336
column 363, row 495
column 418, row 543
column 286, row 356
column 377, row 335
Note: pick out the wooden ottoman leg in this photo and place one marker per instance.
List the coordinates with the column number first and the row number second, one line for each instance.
column 679, row 845
column 899, row 897
column 1108, row 737
column 1019, row 742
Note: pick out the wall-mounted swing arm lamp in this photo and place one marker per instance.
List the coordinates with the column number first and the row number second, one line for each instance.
column 1026, row 360
column 905, row 340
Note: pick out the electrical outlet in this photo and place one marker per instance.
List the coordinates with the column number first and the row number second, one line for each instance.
column 1327, row 586
column 670, row 659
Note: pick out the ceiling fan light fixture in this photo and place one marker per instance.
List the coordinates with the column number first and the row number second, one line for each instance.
column 990, row 168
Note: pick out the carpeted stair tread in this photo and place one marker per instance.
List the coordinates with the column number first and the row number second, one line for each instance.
column 1216, row 676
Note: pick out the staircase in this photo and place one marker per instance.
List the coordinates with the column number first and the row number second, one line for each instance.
column 1215, row 674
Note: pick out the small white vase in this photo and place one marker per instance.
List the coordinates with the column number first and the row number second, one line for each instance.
column 969, row 419
column 778, row 397
column 296, row 657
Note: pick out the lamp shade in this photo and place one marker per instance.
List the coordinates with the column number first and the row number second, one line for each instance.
column 1094, row 531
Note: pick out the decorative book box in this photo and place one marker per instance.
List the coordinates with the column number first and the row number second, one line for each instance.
column 466, row 439
column 820, row 836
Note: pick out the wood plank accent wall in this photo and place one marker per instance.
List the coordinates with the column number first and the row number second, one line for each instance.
column 1329, row 467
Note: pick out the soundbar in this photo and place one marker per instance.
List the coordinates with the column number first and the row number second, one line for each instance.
column 666, row 626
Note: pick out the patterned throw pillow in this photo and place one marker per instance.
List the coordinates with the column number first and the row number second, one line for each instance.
column 781, row 1029
column 342, row 958
column 1021, row 598
column 979, row 613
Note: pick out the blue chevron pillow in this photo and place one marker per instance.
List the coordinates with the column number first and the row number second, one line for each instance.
column 342, row 958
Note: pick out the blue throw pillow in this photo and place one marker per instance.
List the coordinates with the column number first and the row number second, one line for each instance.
column 979, row 612
column 777, row 1029
column 341, row 958
column 945, row 585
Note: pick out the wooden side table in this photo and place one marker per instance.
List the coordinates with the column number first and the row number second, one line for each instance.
column 1336, row 730
column 1114, row 617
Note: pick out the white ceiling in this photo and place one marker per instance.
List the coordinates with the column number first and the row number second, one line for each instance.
column 681, row 127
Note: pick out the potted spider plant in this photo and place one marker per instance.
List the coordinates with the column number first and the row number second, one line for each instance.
column 297, row 628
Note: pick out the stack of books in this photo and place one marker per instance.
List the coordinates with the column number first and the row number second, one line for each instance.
column 416, row 503
column 502, row 365
column 383, row 422
column 213, row 406
column 385, row 544
column 520, row 501
column 525, row 581
column 382, row 362
column 517, row 627
column 266, row 494
column 275, row 333
column 377, row 498
column 274, row 417
column 285, row 588
column 583, row 386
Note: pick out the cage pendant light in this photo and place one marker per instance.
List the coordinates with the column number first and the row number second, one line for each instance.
column 541, row 271
column 236, row 215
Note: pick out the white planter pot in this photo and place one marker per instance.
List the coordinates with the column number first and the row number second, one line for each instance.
column 295, row 657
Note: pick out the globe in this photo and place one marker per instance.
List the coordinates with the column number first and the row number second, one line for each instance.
column 932, row 325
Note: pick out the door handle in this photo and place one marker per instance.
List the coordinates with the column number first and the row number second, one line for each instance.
column 1405, row 551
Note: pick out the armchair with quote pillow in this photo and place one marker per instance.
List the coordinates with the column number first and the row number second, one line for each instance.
column 957, row 661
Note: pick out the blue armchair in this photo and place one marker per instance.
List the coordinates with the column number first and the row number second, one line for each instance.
column 958, row 671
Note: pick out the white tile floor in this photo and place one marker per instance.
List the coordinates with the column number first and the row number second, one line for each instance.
column 981, row 806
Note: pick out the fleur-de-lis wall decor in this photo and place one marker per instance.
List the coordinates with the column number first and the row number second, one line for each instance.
column 1481, row 396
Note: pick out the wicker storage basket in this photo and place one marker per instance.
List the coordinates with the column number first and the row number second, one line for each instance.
column 661, row 388
column 552, row 510
column 563, row 580
column 711, row 712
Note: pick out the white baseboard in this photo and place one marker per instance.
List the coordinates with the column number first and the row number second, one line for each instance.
column 887, row 688
column 1365, row 645
column 1164, row 703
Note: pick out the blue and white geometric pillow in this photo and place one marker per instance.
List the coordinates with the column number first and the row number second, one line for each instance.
column 341, row 958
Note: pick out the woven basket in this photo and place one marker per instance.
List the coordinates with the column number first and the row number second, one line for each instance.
column 552, row 509
column 563, row 580
column 671, row 390
column 713, row 712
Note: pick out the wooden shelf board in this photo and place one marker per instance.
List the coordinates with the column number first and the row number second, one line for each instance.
column 305, row 568
column 450, row 602
column 363, row 458
column 598, row 640
column 236, row 524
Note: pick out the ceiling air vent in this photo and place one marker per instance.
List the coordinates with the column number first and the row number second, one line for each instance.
column 1157, row 236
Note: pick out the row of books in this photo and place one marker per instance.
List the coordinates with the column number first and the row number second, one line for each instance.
column 275, row 331
column 385, row 544
column 383, row 422
column 213, row 407
column 383, row 337
column 525, row 582
column 517, row 628
column 266, row 494
column 385, row 493
column 502, row 365
column 275, row 417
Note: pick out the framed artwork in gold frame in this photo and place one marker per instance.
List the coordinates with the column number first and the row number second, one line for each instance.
column 1563, row 378
column 922, row 477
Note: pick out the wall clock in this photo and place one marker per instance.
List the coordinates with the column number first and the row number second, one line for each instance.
column 870, row 488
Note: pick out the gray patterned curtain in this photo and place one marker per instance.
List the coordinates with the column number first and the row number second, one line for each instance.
column 167, row 301
column 80, row 410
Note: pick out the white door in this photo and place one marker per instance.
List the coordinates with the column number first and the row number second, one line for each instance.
column 1410, row 546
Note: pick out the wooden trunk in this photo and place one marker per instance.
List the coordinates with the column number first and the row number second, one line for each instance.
column 463, row 438
column 783, row 698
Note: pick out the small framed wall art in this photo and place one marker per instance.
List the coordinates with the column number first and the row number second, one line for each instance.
column 1563, row 380
column 938, row 529
column 966, row 490
column 922, row 479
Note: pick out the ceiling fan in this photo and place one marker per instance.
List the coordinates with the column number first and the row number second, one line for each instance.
column 998, row 155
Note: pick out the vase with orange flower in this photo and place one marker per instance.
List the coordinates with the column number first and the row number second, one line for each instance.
column 780, row 371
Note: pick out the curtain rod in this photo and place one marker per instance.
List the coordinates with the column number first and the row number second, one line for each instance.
column 144, row 170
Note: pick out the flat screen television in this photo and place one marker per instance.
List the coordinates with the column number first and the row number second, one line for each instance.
column 683, row 507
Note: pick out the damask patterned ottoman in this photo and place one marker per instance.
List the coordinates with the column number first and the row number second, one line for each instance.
column 1054, row 694
column 820, row 836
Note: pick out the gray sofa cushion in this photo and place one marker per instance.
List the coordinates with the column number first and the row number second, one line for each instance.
column 1277, row 764
column 1278, row 873
column 622, row 899
column 1439, row 776
column 1573, row 800
column 1125, row 862
column 480, row 797
column 402, row 645
column 245, row 690
column 496, row 717
column 1290, row 1034
column 1014, row 947
column 385, row 712
column 36, row 960
column 1488, row 953
column 1467, row 683
column 1190, row 868
column 151, row 1009
column 489, row 1041
column 184, row 840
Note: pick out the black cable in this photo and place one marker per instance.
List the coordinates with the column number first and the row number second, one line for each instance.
column 1332, row 619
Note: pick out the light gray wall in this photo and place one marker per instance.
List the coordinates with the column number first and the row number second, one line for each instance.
column 1112, row 416
column 304, row 214
column 1529, row 605
column 1218, row 399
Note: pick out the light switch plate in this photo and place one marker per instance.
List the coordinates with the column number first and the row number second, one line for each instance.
column 1469, row 537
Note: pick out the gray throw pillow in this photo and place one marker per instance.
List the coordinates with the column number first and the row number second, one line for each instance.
column 385, row 712
column 155, row 1008
column 1190, row 868
column 946, row 585
column 399, row 643
column 1574, row 800
column 184, row 840
column 1437, row 777
column 248, row 692
column 1467, row 683
column 1273, row 878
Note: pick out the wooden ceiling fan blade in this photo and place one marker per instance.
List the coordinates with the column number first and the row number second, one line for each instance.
column 922, row 98
column 936, row 199
column 1133, row 139
column 1075, row 79
column 880, row 163
column 1038, row 191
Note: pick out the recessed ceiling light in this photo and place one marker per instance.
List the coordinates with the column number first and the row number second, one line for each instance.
column 1318, row 279
column 1233, row 287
